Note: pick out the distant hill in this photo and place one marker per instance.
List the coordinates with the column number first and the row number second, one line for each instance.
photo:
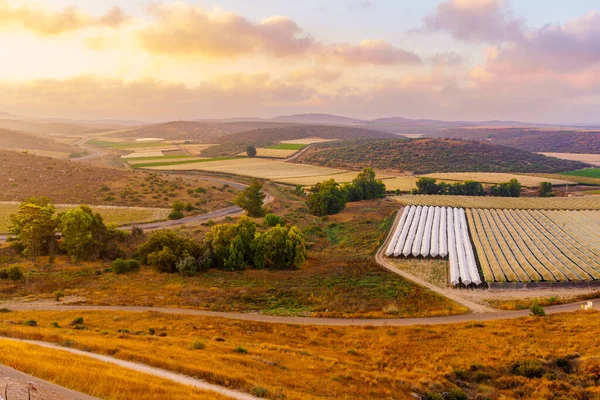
column 235, row 143
column 431, row 155
column 45, row 128
column 176, row 130
column 244, row 126
column 318, row 119
column 536, row 140
column 13, row 140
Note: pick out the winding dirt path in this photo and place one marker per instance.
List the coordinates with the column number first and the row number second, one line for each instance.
column 18, row 382
column 143, row 368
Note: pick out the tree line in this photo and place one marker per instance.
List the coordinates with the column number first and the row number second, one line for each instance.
column 511, row 188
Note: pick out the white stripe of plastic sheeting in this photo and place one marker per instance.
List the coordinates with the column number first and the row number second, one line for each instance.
column 404, row 233
column 407, row 249
column 443, row 252
column 416, row 248
column 454, row 273
column 472, row 264
column 435, row 233
column 392, row 245
column 463, row 268
column 427, row 236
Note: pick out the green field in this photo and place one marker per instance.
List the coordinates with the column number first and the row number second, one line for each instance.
column 157, row 158
column 167, row 163
column 288, row 146
column 125, row 145
column 587, row 172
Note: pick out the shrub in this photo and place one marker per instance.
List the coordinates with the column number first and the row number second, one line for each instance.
column 120, row 266
column 3, row 274
column 528, row 368
column 240, row 350
column 55, row 325
column 273, row 220
column 77, row 321
column 15, row 273
column 200, row 190
column 251, row 151
column 4, row 310
column 164, row 248
column 58, row 295
column 198, row 345
column 176, row 215
column 187, row 266
column 31, row 322
column 537, row 310
column 326, row 198
column 259, row 392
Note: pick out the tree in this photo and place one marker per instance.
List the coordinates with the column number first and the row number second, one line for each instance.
column 252, row 198
column 164, row 248
column 34, row 227
column 427, row 186
column 284, row 248
column 472, row 188
column 326, row 198
column 511, row 188
column 236, row 260
column 545, row 189
column 365, row 187
column 251, row 151
column 273, row 220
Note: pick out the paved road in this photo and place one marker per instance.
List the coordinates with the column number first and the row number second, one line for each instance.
column 96, row 153
column 143, row 368
column 17, row 387
column 476, row 317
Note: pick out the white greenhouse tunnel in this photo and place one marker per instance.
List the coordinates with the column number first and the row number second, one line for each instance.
column 437, row 232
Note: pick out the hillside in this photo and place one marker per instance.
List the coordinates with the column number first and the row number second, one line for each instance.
column 318, row 119
column 12, row 140
column 45, row 128
column 70, row 182
column 543, row 141
column 431, row 155
column 233, row 144
column 244, row 126
column 176, row 130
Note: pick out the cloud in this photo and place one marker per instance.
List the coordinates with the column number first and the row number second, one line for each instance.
column 489, row 21
column 448, row 59
column 186, row 30
column 316, row 74
column 50, row 23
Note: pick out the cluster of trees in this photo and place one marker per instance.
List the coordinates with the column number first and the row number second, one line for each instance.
column 228, row 246
column 545, row 189
column 329, row 197
column 467, row 188
column 83, row 234
column 511, row 188
column 430, row 186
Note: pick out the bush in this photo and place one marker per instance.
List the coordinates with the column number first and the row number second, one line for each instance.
column 198, row 345
column 58, row 295
column 77, row 321
column 251, row 151
column 260, row 392
column 3, row 274
column 164, row 248
column 176, row 215
column 241, row 350
column 31, row 322
column 273, row 220
column 528, row 368
column 187, row 266
column 120, row 266
column 15, row 273
column 537, row 310
column 326, row 198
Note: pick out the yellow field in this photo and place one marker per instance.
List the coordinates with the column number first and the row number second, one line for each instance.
column 492, row 177
column 341, row 178
column 255, row 167
column 524, row 203
column 404, row 183
column 93, row 377
column 314, row 362
column 270, row 153
column 182, row 159
column 141, row 154
column 195, row 149
column 309, row 140
column 111, row 215
column 593, row 159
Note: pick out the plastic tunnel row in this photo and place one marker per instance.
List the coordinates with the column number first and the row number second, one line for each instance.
column 437, row 232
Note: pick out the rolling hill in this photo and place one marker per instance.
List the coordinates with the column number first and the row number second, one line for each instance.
column 537, row 140
column 235, row 143
column 318, row 119
column 38, row 144
column 45, row 128
column 176, row 130
column 431, row 155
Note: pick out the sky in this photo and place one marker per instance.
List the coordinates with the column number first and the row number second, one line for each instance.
column 524, row 60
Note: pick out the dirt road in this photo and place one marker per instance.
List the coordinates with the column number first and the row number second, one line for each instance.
column 18, row 382
column 143, row 368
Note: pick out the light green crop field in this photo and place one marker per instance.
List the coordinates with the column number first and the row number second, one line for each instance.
column 111, row 215
column 587, row 172
column 288, row 146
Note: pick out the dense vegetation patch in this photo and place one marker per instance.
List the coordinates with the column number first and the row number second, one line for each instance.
column 431, row 155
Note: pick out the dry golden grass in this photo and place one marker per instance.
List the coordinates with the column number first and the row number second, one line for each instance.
column 166, row 160
column 492, row 177
column 308, row 140
column 524, row 203
column 46, row 153
column 195, row 149
column 593, row 159
column 341, row 177
column 403, row 183
column 143, row 154
column 93, row 377
column 310, row 362
column 270, row 153
column 254, row 167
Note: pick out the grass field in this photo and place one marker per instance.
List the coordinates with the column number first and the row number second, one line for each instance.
column 93, row 377
column 593, row 159
column 529, row 203
column 111, row 215
column 143, row 155
column 161, row 160
column 528, row 358
column 126, row 145
column 491, row 177
column 270, row 153
column 587, row 172
column 288, row 146
column 307, row 141
column 185, row 162
column 195, row 149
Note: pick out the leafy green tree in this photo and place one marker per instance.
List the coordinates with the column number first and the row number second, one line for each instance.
column 511, row 188
column 326, row 198
column 179, row 206
column 34, row 227
column 252, row 198
column 251, row 151
column 365, row 187
column 165, row 247
column 236, row 260
column 545, row 189
column 273, row 220
column 284, row 248
column 427, row 186
column 472, row 188
column 258, row 251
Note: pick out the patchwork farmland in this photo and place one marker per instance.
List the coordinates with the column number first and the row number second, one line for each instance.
column 520, row 203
